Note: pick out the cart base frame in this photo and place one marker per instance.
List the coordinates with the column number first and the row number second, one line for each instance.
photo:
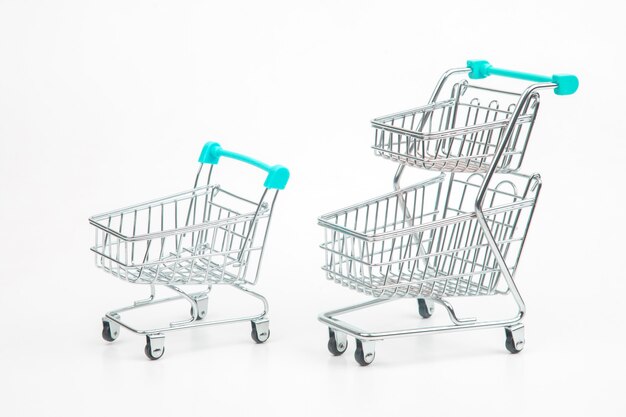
column 155, row 337
column 365, row 340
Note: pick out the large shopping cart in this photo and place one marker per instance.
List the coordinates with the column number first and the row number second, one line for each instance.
column 459, row 234
column 204, row 236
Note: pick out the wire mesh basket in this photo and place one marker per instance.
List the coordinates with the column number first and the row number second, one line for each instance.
column 202, row 236
column 425, row 240
column 457, row 134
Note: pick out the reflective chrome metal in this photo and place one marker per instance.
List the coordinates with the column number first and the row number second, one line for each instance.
column 441, row 250
column 458, row 134
column 262, row 329
column 155, row 345
column 341, row 340
column 515, row 337
column 202, row 303
column 442, row 238
column 203, row 236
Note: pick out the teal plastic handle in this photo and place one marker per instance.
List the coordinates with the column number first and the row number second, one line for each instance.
column 277, row 175
column 566, row 83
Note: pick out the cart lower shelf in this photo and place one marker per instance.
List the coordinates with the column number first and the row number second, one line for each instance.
column 339, row 330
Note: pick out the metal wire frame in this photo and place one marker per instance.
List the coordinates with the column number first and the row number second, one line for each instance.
column 206, row 235
column 521, row 106
column 459, row 134
column 482, row 211
column 440, row 250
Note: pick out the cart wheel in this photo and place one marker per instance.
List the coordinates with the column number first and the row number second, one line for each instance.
column 425, row 307
column 337, row 342
column 364, row 353
column 200, row 315
column 203, row 304
column 260, row 331
column 154, row 346
column 110, row 331
column 514, row 338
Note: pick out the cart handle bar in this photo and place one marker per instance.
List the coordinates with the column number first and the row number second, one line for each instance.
column 277, row 175
column 565, row 83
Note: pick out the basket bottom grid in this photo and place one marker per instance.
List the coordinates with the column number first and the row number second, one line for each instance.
column 174, row 270
column 432, row 282
column 467, row 165
column 433, row 285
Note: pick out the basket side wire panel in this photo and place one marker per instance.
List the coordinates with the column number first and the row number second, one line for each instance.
column 206, row 235
column 439, row 251
column 459, row 134
column 355, row 257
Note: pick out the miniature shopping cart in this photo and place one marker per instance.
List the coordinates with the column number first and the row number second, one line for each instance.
column 205, row 236
column 446, row 237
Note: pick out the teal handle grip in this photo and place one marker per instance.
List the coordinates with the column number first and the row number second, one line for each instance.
column 277, row 175
column 566, row 83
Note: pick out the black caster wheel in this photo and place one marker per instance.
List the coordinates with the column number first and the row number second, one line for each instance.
column 199, row 316
column 260, row 332
column 424, row 308
column 362, row 356
column 154, row 352
column 514, row 340
column 109, row 334
column 334, row 347
column 202, row 305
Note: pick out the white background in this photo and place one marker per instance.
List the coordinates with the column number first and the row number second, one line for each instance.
column 103, row 104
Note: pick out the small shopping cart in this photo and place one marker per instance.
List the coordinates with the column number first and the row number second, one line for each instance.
column 204, row 236
column 457, row 235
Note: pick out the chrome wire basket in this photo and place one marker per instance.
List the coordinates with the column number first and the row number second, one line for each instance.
column 203, row 236
column 458, row 134
column 425, row 240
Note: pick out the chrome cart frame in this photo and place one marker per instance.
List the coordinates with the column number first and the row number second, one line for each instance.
column 205, row 236
column 408, row 251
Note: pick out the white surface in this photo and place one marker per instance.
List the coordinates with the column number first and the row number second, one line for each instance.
column 103, row 104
